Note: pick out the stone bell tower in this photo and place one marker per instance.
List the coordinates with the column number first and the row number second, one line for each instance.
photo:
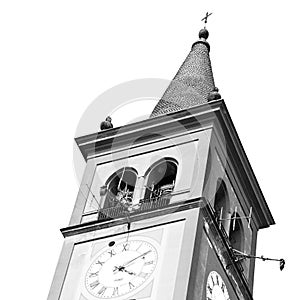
column 166, row 203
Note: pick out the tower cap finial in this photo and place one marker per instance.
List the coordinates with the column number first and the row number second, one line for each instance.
column 205, row 19
column 203, row 34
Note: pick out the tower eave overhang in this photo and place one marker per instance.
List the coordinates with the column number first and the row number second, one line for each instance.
column 208, row 115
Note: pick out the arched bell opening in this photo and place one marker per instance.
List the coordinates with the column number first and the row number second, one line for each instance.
column 160, row 180
column 236, row 233
column 222, row 205
column 120, row 186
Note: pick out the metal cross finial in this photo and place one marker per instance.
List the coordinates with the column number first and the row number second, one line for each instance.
column 205, row 18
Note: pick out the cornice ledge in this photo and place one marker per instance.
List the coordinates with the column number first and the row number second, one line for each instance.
column 101, row 224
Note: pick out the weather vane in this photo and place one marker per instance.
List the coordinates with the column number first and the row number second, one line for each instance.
column 205, row 18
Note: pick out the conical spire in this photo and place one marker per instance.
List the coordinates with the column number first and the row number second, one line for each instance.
column 194, row 82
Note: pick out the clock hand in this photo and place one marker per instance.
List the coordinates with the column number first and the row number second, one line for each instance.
column 132, row 260
column 129, row 272
column 122, row 267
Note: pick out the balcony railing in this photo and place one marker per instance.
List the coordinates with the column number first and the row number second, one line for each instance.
column 124, row 210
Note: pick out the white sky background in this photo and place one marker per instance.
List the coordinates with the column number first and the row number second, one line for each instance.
column 58, row 56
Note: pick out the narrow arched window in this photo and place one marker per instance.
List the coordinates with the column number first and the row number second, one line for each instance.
column 160, row 180
column 222, row 205
column 123, row 181
column 236, row 233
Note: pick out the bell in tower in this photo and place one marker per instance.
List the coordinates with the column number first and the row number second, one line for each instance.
column 164, row 219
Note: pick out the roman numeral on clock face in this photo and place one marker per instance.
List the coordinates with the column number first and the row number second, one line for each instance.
column 102, row 291
column 130, row 285
column 125, row 247
column 223, row 287
column 112, row 253
column 150, row 262
column 209, row 288
column 115, row 291
column 94, row 284
column 143, row 275
column 94, row 274
column 212, row 279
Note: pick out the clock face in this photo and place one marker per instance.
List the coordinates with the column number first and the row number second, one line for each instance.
column 215, row 287
column 121, row 269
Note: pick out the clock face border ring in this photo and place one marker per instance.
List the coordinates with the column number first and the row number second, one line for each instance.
column 141, row 267
column 215, row 287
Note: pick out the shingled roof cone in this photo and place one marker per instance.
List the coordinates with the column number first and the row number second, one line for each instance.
column 193, row 83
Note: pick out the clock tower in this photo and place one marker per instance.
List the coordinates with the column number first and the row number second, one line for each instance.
column 165, row 204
